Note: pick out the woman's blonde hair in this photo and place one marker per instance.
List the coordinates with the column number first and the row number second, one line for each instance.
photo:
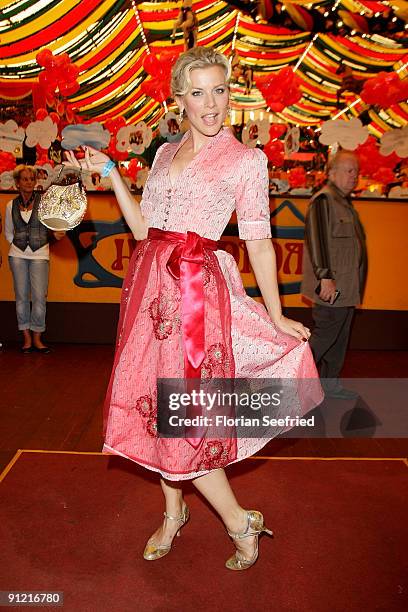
column 20, row 168
column 198, row 57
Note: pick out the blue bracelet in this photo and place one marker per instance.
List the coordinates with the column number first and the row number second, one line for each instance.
column 107, row 169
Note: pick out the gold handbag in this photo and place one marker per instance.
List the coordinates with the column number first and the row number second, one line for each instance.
column 62, row 207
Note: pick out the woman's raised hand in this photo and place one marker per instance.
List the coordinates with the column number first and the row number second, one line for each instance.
column 94, row 160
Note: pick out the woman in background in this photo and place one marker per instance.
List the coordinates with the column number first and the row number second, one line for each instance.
column 28, row 258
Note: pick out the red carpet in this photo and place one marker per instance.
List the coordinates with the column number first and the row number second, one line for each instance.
column 78, row 523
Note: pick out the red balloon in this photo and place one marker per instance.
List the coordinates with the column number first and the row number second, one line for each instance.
column 41, row 114
column 44, row 58
column 59, row 61
column 47, row 81
column 156, row 89
column 114, row 125
column 55, row 117
column 297, row 177
column 280, row 90
column 7, row 161
column 369, row 156
column 152, row 65
column 64, row 59
column 69, row 114
column 385, row 89
column 275, row 152
column 68, row 88
column 114, row 153
column 60, row 108
column 133, row 169
column 390, row 161
column 384, row 176
column 167, row 60
column 55, row 74
column 50, row 99
column 71, row 72
column 277, row 130
column 75, row 87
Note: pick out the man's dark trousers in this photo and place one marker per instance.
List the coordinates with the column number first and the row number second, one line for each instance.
column 330, row 337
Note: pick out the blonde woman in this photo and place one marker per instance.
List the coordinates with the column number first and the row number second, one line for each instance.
column 185, row 312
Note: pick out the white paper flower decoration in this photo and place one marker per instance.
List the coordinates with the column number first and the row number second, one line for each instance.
column 135, row 137
column 45, row 176
column 93, row 181
column 87, row 181
column 395, row 141
column 7, row 180
column 142, row 177
column 292, row 140
column 92, row 134
column 256, row 132
column 41, row 133
column 11, row 138
column 169, row 127
column 348, row 134
column 398, row 192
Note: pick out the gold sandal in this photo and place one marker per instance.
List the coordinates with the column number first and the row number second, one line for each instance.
column 154, row 551
column 255, row 526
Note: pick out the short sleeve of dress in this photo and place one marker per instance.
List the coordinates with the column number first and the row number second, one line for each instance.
column 158, row 153
column 252, row 197
column 152, row 169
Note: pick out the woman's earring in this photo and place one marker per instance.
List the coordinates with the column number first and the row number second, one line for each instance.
column 180, row 117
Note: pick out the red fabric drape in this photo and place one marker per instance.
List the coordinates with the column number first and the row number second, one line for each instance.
column 16, row 90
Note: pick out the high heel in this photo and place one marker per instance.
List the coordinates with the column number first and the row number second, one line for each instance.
column 255, row 526
column 154, row 551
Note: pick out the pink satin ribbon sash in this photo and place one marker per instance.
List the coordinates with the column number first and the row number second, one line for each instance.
column 186, row 264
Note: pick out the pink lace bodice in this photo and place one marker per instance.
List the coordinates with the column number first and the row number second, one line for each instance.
column 225, row 175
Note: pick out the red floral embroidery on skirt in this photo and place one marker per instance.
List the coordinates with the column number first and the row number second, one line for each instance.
column 215, row 456
column 146, row 407
column 216, row 363
column 209, row 269
column 163, row 311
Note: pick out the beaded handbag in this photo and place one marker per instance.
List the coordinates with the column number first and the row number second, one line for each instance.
column 63, row 206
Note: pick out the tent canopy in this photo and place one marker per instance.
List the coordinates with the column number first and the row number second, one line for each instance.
column 106, row 39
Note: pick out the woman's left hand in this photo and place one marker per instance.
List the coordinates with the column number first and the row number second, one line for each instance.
column 94, row 161
column 293, row 328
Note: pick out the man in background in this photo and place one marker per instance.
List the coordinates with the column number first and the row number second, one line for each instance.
column 334, row 269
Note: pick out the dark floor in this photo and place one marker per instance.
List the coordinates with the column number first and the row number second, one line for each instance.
column 78, row 524
column 54, row 402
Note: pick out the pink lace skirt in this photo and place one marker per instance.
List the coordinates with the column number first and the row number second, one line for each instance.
column 240, row 340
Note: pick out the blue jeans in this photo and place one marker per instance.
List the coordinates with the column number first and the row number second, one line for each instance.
column 30, row 280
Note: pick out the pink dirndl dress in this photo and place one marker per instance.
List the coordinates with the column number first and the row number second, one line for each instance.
column 234, row 336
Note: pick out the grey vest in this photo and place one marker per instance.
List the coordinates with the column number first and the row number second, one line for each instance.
column 346, row 250
column 33, row 234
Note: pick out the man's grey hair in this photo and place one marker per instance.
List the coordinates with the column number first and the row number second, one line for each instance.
column 335, row 159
